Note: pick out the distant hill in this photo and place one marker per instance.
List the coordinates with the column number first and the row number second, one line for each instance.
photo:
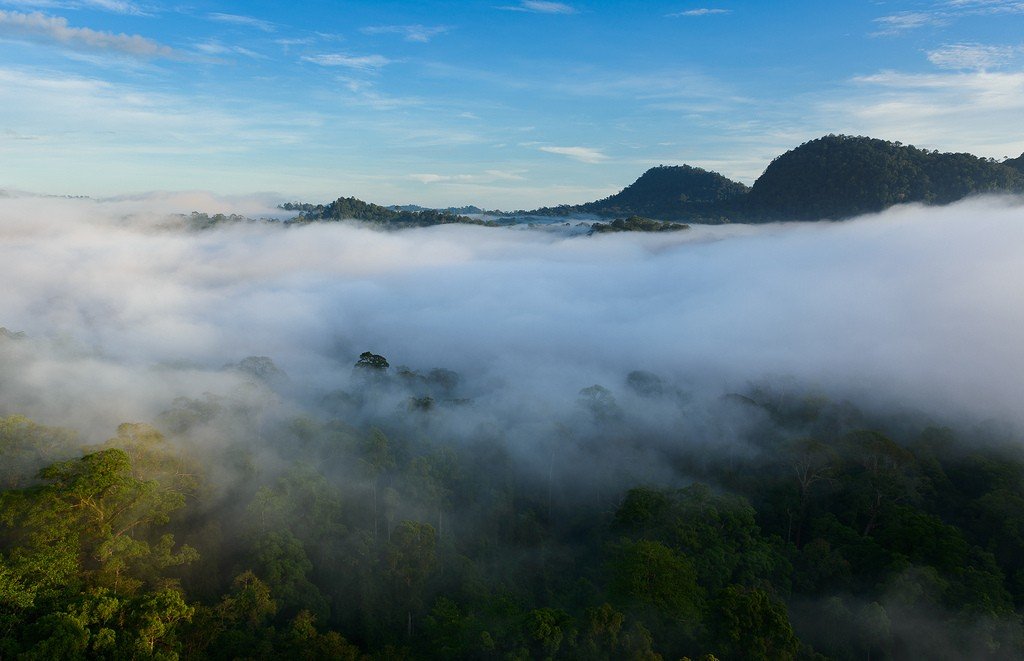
column 350, row 208
column 839, row 176
column 669, row 192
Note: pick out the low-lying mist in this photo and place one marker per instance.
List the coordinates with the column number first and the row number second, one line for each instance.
column 554, row 407
column 123, row 311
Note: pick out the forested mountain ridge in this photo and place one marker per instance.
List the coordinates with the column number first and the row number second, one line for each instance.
column 840, row 176
column 835, row 176
column 832, row 177
column 669, row 192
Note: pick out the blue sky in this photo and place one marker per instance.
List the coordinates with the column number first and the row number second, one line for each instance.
column 507, row 103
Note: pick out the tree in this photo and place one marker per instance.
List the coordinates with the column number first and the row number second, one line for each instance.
column 372, row 362
column 749, row 624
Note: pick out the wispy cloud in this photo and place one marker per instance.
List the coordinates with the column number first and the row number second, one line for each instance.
column 486, row 177
column 217, row 48
column 972, row 57
column 114, row 6
column 244, row 21
column 539, row 7
column 943, row 13
column 417, row 33
column 972, row 111
column 582, row 154
column 896, row 24
column 55, row 29
column 357, row 62
column 986, row 6
column 703, row 11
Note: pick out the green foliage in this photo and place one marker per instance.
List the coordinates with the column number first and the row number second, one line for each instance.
column 636, row 224
column 839, row 176
column 749, row 624
column 25, row 447
column 821, row 530
column 646, row 573
column 1015, row 163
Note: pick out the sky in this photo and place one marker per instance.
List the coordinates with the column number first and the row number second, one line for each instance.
column 504, row 104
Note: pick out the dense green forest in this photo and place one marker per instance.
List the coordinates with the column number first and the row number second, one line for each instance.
column 841, row 176
column 821, row 531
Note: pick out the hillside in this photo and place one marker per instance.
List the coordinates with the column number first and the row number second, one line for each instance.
column 670, row 192
column 1015, row 163
column 839, row 176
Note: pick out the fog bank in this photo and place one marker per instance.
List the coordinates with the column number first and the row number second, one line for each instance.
column 918, row 307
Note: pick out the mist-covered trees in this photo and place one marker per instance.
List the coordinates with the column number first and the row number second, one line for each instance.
column 822, row 536
column 350, row 208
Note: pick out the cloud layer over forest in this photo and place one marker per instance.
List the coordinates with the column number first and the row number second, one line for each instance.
column 918, row 307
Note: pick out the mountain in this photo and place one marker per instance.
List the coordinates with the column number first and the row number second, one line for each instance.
column 667, row 192
column 835, row 176
column 839, row 176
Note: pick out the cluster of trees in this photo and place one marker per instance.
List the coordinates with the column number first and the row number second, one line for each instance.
column 637, row 224
column 350, row 208
column 819, row 536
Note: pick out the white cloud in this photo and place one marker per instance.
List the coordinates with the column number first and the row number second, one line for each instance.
column 39, row 27
column 704, row 11
column 897, row 24
column 923, row 306
column 943, row 13
column 986, row 6
column 417, row 33
column 487, row 176
column 358, row 62
column 217, row 48
column 971, row 56
column 245, row 21
column 972, row 111
column 83, row 122
column 582, row 154
column 539, row 7
column 114, row 6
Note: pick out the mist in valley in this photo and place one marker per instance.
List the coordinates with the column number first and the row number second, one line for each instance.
column 560, row 368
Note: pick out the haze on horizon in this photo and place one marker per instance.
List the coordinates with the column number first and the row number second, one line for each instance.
column 501, row 104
